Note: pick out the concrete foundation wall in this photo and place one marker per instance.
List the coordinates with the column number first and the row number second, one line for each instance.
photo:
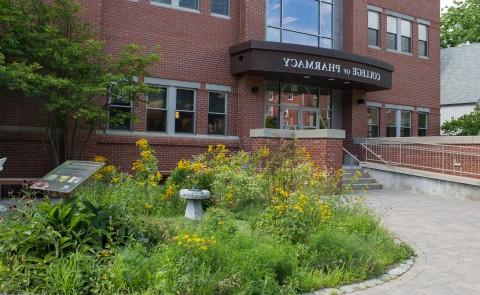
column 426, row 182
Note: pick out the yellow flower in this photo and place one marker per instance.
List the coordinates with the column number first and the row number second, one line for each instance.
column 210, row 149
column 109, row 169
column 142, row 143
column 148, row 206
column 183, row 165
column 115, row 179
column 204, row 248
column 100, row 159
column 137, row 165
column 98, row 176
column 264, row 152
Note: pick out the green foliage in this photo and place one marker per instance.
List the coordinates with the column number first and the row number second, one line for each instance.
column 466, row 125
column 461, row 23
column 277, row 225
column 49, row 55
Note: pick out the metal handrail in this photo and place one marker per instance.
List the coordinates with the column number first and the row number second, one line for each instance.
column 448, row 159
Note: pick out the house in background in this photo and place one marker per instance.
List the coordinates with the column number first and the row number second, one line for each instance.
column 460, row 85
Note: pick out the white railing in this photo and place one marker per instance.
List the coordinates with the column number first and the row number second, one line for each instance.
column 460, row 160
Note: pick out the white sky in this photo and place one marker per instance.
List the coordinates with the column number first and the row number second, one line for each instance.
column 444, row 3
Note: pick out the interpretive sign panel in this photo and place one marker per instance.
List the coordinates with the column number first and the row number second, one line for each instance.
column 68, row 176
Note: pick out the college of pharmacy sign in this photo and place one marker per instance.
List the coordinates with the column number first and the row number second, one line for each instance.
column 306, row 64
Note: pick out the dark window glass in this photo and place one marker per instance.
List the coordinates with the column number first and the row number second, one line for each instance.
column 185, row 99
column 216, row 113
column 184, row 122
column 406, row 44
column 119, row 118
column 391, row 121
column 193, row 4
column 422, row 48
column 184, row 115
column 220, row 7
column 391, row 41
column 373, row 37
column 406, row 123
column 422, row 124
column 157, row 120
column 157, row 111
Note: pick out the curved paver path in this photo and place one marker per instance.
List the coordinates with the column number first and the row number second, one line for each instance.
column 445, row 234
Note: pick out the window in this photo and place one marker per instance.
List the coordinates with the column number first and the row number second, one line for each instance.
column 422, row 124
column 221, row 7
column 406, row 123
column 190, row 4
column 305, row 22
column 217, row 113
column 373, row 28
column 423, row 40
column 119, row 114
column 391, row 120
column 399, row 34
column 295, row 106
column 185, row 111
column 399, row 123
column 392, row 33
column 373, row 122
column 406, row 29
column 157, row 111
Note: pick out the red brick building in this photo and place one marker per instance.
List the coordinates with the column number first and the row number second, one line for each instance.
column 246, row 73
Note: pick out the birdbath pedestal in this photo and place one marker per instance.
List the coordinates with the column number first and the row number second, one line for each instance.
column 194, row 199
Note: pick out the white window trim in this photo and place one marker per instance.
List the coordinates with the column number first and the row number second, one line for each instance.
column 215, row 113
column 175, row 5
column 399, row 18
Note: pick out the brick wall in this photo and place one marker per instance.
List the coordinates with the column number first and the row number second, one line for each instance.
column 327, row 153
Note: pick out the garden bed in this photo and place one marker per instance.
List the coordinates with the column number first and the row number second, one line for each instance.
column 276, row 225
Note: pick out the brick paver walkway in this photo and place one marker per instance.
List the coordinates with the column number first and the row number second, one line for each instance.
column 445, row 234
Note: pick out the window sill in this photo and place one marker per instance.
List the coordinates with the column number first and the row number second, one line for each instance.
column 374, row 47
column 399, row 52
column 165, row 135
column 227, row 17
column 175, row 7
column 424, row 57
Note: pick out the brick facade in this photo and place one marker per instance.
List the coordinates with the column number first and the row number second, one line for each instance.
column 195, row 48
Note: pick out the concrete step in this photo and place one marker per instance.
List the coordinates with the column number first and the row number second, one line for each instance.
column 361, row 180
column 366, row 186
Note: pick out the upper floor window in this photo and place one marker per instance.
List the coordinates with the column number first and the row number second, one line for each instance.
column 423, row 40
column 373, row 28
column 221, row 7
column 399, row 34
column 190, row 4
column 305, row 22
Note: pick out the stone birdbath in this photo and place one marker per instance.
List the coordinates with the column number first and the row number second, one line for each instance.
column 194, row 199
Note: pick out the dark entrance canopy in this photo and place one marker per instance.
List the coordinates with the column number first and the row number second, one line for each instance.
column 310, row 65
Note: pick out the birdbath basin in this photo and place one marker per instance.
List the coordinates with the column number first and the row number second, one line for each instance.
column 194, row 199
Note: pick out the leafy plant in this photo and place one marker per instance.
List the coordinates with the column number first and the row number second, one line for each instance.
column 466, row 125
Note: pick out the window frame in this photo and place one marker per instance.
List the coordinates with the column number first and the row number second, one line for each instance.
column 215, row 113
column 400, row 35
column 226, row 16
column 398, row 122
column 110, row 105
column 426, row 124
column 281, row 28
column 377, row 123
column 377, row 30
column 167, row 93
column 425, row 42
column 281, row 108
column 194, row 111
column 175, row 4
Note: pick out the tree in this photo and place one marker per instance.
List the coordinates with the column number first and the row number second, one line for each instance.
column 466, row 125
column 48, row 54
column 461, row 23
